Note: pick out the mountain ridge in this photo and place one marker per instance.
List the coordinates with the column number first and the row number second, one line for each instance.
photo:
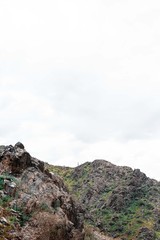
column 93, row 201
column 120, row 201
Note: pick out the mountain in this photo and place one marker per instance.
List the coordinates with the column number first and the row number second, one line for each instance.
column 94, row 201
column 119, row 201
column 34, row 203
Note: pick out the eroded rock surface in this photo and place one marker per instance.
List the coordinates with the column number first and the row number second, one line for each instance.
column 43, row 208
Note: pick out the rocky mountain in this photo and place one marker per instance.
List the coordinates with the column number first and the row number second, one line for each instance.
column 34, row 203
column 119, row 201
column 39, row 201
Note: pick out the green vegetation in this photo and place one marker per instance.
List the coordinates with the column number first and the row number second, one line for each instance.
column 6, row 229
column 5, row 203
column 138, row 211
column 13, row 220
column 23, row 217
column 1, row 183
column 44, row 207
column 65, row 173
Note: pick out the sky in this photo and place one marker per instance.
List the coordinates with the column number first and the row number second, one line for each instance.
column 80, row 80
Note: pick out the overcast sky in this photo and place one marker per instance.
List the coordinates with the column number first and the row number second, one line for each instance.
column 80, row 80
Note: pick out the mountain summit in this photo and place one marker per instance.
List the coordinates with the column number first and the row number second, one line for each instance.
column 120, row 201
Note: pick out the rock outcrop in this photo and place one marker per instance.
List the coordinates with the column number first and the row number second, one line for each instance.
column 34, row 201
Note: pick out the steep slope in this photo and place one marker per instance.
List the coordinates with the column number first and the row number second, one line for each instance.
column 34, row 203
column 118, row 200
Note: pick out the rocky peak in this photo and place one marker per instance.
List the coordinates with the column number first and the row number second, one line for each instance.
column 15, row 159
column 120, row 201
column 38, row 199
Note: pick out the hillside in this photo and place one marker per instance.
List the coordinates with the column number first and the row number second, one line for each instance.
column 34, row 204
column 94, row 201
column 121, row 202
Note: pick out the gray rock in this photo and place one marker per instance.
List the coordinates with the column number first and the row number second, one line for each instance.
column 146, row 234
column 19, row 145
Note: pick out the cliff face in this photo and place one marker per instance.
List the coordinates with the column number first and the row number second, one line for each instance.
column 35, row 203
column 118, row 200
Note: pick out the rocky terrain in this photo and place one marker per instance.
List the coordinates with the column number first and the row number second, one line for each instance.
column 119, row 201
column 94, row 201
column 34, row 203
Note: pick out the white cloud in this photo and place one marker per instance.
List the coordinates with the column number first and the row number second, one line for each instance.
column 80, row 80
column 141, row 154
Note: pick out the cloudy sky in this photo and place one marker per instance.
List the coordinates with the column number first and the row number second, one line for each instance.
column 80, row 80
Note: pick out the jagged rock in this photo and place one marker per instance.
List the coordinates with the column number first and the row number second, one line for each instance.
column 19, row 145
column 2, row 148
column 37, row 164
column 40, row 196
column 10, row 188
column 15, row 159
column 53, row 205
column 4, row 221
